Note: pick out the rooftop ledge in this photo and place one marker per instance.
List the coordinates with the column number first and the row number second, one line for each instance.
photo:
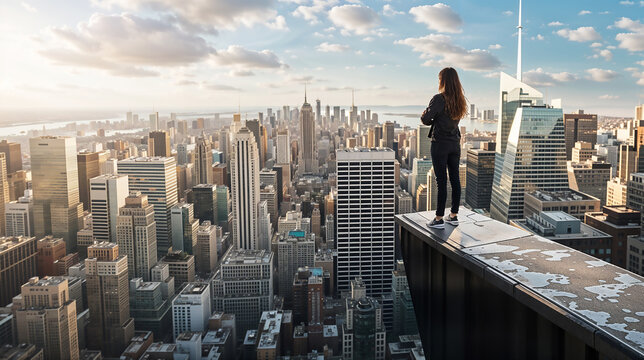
column 485, row 284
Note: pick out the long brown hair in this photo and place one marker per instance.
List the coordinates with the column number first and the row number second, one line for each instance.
column 450, row 86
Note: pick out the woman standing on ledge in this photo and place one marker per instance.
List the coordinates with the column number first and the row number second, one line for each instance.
column 445, row 111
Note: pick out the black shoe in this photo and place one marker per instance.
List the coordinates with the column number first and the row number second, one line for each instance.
column 451, row 220
column 436, row 224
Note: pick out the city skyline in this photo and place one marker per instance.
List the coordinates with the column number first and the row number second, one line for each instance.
column 189, row 57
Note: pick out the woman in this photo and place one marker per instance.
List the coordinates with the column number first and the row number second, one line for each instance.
column 443, row 114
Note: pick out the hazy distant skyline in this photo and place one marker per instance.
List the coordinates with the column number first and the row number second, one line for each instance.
column 179, row 54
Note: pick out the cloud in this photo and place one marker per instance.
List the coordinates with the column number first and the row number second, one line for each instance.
column 439, row 50
column 229, row 14
column 633, row 40
column 438, row 17
column 495, row 47
column 388, row 10
column 357, row 19
column 627, row 2
column 601, row 75
column 641, row 63
column 596, row 45
column 508, row 13
column 278, row 24
column 584, row 12
column 581, row 34
column 540, row 77
column 220, row 87
column 326, row 47
column 28, row 7
column 236, row 55
column 638, row 74
column 608, row 97
column 537, row 37
column 311, row 13
column 186, row 82
column 240, row 73
column 606, row 54
column 125, row 44
column 555, row 23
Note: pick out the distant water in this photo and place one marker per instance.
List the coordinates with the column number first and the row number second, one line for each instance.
column 408, row 115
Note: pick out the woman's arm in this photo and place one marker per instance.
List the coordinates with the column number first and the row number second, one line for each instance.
column 436, row 105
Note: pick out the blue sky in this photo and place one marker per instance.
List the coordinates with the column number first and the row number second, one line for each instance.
column 180, row 54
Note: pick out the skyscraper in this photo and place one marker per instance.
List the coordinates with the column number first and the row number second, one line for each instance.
column 203, row 161
column 206, row 249
column 111, row 327
column 19, row 216
column 107, row 193
column 184, row 228
column 54, row 173
column 136, row 234
column 4, row 192
column 580, row 127
column 283, row 147
column 294, row 250
column 46, row 317
column 191, row 308
column 88, row 168
column 307, row 162
column 18, row 256
column 318, row 112
column 364, row 331
column 13, row 155
column 365, row 218
column 154, row 121
column 245, row 189
column 156, row 178
column 480, row 176
column 159, row 143
column 388, row 134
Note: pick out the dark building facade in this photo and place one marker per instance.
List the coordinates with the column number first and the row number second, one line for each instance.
column 480, row 175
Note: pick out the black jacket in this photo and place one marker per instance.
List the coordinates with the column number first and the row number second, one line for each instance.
column 443, row 127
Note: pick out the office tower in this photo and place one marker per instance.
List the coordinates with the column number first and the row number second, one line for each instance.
column 480, row 176
column 184, row 227
column 107, row 193
column 294, row 250
column 472, row 111
column 13, row 155
column 19, row 216
column 363, row 331
column 580, row 127
column 404, row 202
column 206, row 251
column 582, row 151
column 418, row 176
column 590, row 177
column 17, row 184
column 619, row 222
column 307, row 298
column 245, row 189
column 264, row 227
column 203, row 161
column 159, row 143
column 154, row 122
column 571, row 202
column 54, row 173
column 616, row 192
column 181, row 266
column 423, row 142
column 155, row 177
column 150, row 309
column 224, row 143
column 18, row 256
column 50, row 249
column 318, row 112
column 635, row 192
column 88, row 168
column 635, row 255
column 307, row 159
column 329, row 231
column 220, row 174
column 191, row 308
column 4, row 192
column 404, row 315
column 283, row 147
column 316, row 222
column 161, row 273
column 365, row 218
column 111, row 327
column 185, row 179
column 388, row 134
column 211, row 203
column 627, row 161
column 46, row 317
column 421, row 197
column 136, row 235
column 530, row 162
column 272, row 177
column 268, row 194
column 243, row 286
column 183, row 153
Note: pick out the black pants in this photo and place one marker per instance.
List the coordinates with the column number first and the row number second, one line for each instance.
column 445, row 157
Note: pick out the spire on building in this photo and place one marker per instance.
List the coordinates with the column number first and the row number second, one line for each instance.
column 519, row 47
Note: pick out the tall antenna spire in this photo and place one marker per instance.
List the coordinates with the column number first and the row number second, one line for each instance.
column 352, row 98
column 305, row 93
column 519, row 48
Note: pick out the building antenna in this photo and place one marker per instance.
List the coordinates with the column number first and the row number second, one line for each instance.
column 305, row 92
column 352, row 98
column 519, row 48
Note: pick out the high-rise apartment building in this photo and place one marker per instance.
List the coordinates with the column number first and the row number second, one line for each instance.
column 13, row 155
column 580, row 127
column 243, row 286
column 46, row 317
column 590, row 177
column 206, row 249
column 616, row 190
column 111, row 327
column 136, row 235
column 307, row 160
column 107, row 193
column 480, row 176
column 191, row 308
column 365, row 218
column 18, row 256
column 159, row 144
column 156, row 178
column 184, row 228
column 88, row 168
column 19, row 216
column 295, row 250
column 54, row 173
column 245, row 189
column 203, row 161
